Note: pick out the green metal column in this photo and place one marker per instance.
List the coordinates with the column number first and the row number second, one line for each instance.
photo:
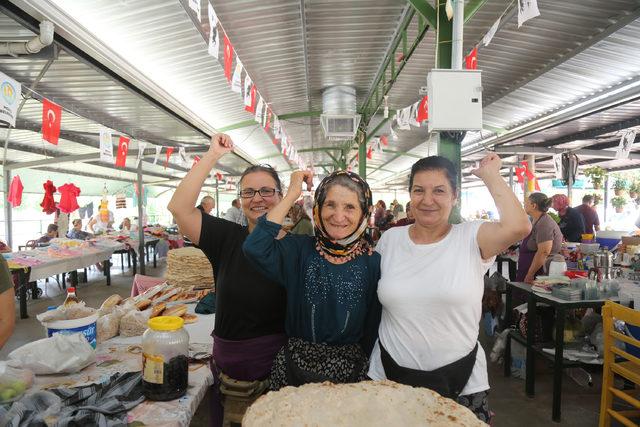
column 448, row 146
column 362, row 158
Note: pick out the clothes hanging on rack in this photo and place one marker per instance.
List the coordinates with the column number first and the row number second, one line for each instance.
column 68, row 200
column 48, row 204
column 86, row 211
column 15, row 191
column 121, row 201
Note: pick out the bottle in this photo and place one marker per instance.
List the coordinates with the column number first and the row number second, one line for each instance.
column 72, row 298
column 165, row 359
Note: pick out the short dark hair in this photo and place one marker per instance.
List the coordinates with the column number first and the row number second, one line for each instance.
column 77, row 221
column 262, row 168
column 587, row 199
column 437, row 163
column 52, row 228
column 541, row 201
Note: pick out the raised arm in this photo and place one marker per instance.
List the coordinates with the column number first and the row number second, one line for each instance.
column 514, row 225
column 279, row 212
column 183, row 202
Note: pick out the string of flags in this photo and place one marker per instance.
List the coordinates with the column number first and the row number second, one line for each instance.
column 527, row 9
column 254, row 103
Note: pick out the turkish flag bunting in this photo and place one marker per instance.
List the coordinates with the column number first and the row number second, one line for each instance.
column 471, row 60
column 370, row 153
column 51, row 117
column 196, row 159
column 169, row 152
column 218, row 176
column 275, row 141
column 423, row 110
column 123, row 149
column 384, row 140
column 268, row 119
column 252, row 108
column 228, row 58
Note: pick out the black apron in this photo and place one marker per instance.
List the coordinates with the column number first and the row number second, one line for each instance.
column 448, row 380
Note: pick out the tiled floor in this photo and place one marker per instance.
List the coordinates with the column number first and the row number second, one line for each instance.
column 580, row 406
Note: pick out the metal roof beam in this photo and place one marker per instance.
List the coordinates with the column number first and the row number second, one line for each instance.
column 593, row 133
column 471, row 8
column 426, row 10
column 601, row 154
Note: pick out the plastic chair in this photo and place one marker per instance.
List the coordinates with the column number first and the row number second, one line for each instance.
column 31, row 244
column 627, row 366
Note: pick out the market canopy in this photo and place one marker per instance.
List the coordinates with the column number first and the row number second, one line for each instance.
column 564, row 80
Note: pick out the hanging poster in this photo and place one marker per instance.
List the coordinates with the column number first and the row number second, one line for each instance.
column 236, row 81
column 527, row 9
column 106, row 146
column 626, row 142
column 195, row 6
column 492, row 32
column 141, row 147
column 10, row 91
column 158, row 149
column 214, row 35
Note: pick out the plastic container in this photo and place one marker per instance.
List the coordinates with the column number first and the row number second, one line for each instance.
column 608, row 243
column 84, row 325
column 165, row 359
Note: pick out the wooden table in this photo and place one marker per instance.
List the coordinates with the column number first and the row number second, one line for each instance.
column 532, row 349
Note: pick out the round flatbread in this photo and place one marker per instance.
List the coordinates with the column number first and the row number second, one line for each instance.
column 176, row 310
column 190, row 318
column 368, row 403
column 157, row 309
column 110, row 302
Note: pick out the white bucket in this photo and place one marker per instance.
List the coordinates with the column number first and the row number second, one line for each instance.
column 84, row 325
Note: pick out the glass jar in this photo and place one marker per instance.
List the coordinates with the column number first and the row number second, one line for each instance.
column 165, row 358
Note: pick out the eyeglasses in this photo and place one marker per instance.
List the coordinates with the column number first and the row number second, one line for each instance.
column 249, row 193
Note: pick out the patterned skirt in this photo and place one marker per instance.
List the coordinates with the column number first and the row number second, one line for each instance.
column 300, row 362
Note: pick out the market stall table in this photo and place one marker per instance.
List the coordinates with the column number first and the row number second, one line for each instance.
column 559, row 362
column 130, row 247
column 123, row 354
column 40, row 263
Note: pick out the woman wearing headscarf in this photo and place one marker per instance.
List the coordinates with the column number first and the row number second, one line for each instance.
column 571, row 221
column 432, row 285
column 330, row 279
column 301, row 221
column 544, row 241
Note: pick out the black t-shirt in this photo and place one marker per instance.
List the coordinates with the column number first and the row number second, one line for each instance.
column 247, row 304
column 572, row 225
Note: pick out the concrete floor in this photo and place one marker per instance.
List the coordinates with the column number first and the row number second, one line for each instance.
column 580, row 405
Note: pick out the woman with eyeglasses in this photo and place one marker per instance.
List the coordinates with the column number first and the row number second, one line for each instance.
column 330, row 278
column 250, row 308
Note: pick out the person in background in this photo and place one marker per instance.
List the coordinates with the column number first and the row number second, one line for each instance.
column 330, row 279
column 207, row 204
column 234, row 213
column 433, row 281
column 4, row 248
column 589, row 215
column 76, row 232
column 301, row 221
column 408, row 220
column 396, row 208
column 571, row 222
column 52, row 233
column 379, row 213
column 7, row 303
column 101, row 223
column 250, row 309
column 544, row 241
column 127, row 227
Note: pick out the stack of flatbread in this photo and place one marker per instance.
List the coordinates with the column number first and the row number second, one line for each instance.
column 368, row 403
column 189, row 267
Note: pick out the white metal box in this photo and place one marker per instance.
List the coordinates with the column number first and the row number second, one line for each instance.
column 455, row 100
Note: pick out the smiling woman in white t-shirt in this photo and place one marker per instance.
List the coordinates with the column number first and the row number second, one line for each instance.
column 432, row 284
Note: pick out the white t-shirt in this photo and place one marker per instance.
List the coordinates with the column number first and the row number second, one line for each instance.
column 431, row 299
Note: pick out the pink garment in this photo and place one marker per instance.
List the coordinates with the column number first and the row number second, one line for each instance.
column 68, row 199
column 142, row 283
column 15, row 191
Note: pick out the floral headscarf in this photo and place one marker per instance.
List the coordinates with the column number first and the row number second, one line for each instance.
column 351, row 246
column 560, row 202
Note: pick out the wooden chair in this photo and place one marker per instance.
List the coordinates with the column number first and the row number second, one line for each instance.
column 627, row 366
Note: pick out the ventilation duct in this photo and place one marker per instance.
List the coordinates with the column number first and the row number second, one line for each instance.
column 35, row 45
column 339, row 119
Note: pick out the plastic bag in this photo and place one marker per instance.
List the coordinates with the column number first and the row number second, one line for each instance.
column 55, row 355
column 107, row 326
column 74, row 311
column 32, row 409
column 13, row 382
column 134, row 323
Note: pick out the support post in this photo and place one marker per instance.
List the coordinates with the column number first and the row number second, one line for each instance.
column 511, row 178
column 140, row 220
column 530, row 187
column 362, row 158
column 218, row 198
column 8, row 232
column 606, row 197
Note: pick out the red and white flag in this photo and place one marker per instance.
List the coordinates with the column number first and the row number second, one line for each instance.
column 370, row 153
column 228, row 58
column 196, row 159
column 267, row 119
column 423, row 109
column 471, row 60
column 384, row 140
column 169, row 152
column 51, row 118
column 123, row 149
column 218, row 176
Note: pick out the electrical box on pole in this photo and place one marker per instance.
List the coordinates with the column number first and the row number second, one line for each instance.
column 455, row 100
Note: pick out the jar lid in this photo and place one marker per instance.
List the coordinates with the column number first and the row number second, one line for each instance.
column 166, row 323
